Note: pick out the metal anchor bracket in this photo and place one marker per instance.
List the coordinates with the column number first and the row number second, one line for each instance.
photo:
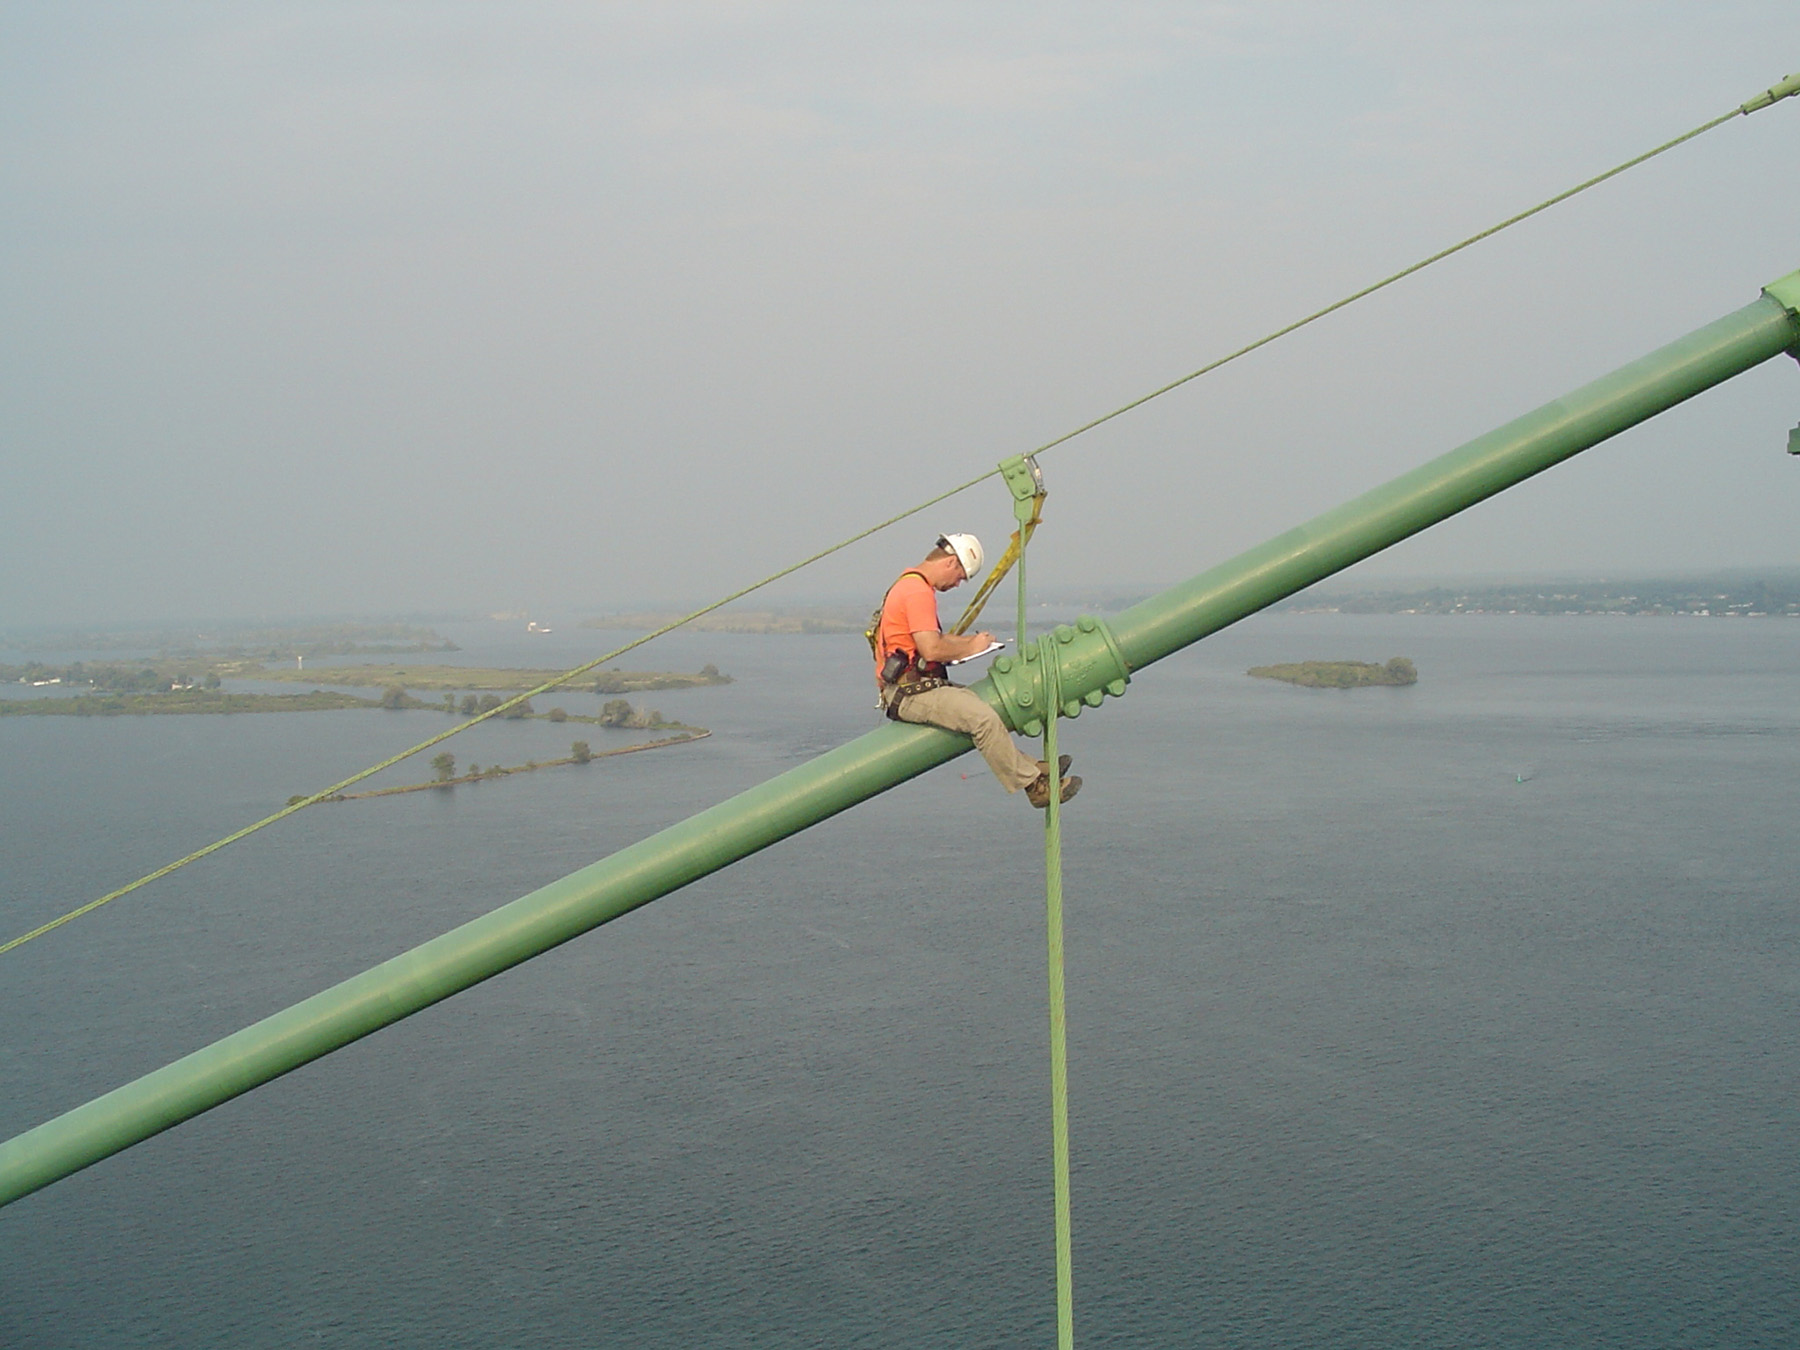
column 1089, row 666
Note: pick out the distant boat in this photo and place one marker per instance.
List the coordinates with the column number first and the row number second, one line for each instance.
column 535, row 627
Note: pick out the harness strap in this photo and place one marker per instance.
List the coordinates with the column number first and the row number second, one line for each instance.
column 873, row 632
column 1015, row 552
column 926, row 674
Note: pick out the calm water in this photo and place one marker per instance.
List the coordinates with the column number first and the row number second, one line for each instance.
column 1372, row 1043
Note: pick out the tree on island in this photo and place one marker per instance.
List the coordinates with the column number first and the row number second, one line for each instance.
column 393, row 697
column 558, row 715
column 618, row 712
column 580, row 753
column 1341, row 674
column 469, row 706
column 444, row 765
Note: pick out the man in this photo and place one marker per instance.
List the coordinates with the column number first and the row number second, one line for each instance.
column 912, row 650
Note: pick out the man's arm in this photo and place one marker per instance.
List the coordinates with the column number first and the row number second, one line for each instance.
column 936, row 646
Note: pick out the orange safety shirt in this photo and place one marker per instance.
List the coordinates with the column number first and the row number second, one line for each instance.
column 910, row 607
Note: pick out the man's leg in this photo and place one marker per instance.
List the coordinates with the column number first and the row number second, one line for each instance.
column 957, row 709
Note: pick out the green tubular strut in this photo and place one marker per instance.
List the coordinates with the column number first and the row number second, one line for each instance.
column 1093, row 659
column 1453, row 482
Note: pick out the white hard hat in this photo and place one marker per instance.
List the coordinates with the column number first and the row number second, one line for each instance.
column 967, row 549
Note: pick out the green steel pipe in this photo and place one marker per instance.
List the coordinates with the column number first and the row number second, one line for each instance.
column 1092, row 662
column 1095, row 659
column 483, row 947
column 1492, row 463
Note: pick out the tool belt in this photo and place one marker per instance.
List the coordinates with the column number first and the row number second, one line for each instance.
column 915, row 679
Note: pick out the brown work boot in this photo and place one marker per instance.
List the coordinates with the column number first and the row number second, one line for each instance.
column 1038, row 791
column 1062, row 764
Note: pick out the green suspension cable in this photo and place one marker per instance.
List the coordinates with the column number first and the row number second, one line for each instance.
column 1785, row 89
column 1059, row 1049
column 1027, row 487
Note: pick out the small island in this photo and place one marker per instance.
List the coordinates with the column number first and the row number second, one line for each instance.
column 1340, row 674
column 444, row 766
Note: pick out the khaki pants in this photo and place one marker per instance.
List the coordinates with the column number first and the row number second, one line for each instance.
column 957, row 709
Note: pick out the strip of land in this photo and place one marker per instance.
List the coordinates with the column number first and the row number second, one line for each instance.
column 1776, row 595
column 182, row 701
column 616, row 712
column 232, row 641
column 739, row 621
column 495, row 771
column 189, row 686
column 1340, row 674
column 479, row 678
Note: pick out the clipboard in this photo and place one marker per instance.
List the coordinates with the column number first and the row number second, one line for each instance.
column 985, row 651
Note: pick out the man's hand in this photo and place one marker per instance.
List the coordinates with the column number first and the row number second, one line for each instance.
column 951, row 646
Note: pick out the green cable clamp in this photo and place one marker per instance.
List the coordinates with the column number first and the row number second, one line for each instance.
column 1786, row 292
column 1025, row 481
column 1089, row 666
column 1774, row 94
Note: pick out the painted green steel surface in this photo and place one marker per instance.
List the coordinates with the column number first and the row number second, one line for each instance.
column 1453, row 482
column 1092, row 661
column 1059, row 1039
column 1786, row 292
column 527, row 927
column 1787, row 88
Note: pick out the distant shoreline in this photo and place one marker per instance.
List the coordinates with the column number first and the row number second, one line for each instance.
column 1715, row 598
column 167, row 685
column 181, row 701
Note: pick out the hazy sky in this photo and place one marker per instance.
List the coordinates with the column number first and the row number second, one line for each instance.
column 324, row 308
